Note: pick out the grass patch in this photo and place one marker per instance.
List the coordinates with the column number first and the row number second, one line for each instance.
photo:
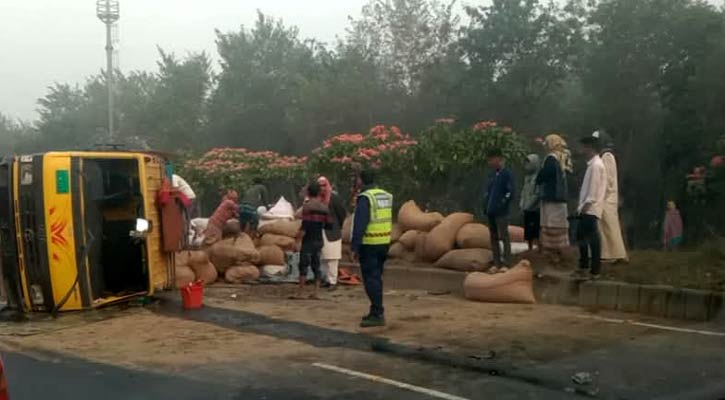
column 701, row 268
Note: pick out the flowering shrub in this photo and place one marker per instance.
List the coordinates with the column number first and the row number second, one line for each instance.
column 444, row 146
column 406, row 166
column 348, row 152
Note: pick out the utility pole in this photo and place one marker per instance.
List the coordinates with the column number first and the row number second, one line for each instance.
column 108, row 12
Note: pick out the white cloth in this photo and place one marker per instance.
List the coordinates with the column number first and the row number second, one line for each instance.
column 282, row 210
column 330, row 269
column 330, row 250
column 183, row 186
column 330, row 256
column 593, row 190
column 611, row 233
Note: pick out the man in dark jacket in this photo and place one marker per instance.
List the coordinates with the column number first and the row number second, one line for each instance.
column 499, row 195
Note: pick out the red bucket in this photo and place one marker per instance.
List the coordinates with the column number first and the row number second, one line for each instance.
column 192, row 296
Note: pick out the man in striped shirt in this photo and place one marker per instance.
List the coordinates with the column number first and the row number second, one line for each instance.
column 315, row 219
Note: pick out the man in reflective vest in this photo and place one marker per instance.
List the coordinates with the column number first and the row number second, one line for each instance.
column 372, row 226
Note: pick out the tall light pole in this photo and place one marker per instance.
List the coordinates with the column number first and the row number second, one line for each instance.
column 108, row 12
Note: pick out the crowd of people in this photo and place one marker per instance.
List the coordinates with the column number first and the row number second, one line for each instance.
column 543, row 201
column 322, row 215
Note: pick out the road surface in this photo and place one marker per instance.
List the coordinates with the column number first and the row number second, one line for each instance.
column 252, row 349
column 36, row 377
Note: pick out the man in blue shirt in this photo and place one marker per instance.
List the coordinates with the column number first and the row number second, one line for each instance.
column 499, row 195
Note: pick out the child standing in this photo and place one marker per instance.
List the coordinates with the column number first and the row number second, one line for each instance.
column 529, row 202
column 315, row 219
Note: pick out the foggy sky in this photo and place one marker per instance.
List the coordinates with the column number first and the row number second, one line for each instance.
column 46, row 41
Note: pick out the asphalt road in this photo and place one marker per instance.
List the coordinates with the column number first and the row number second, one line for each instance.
column 660, row 365
column 36, row 377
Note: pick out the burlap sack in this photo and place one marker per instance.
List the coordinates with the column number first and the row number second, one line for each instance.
column 271, row 255
column 184, row 276
column 396, row 251
column 284, row 242
column 241, row 274
column 408, row 239
column 514, row 286
column 197, row 257
column 411, row 216
column 181, row 259
column 410, row 257
column 420, row 243
column 231, row 228
column 442, row 238
column 517, row 234
column 474, row 236
column 467, row 260
column 282, row 227
column 233, row 251
column 347, row 229
column 396, row 233
column 206, row 273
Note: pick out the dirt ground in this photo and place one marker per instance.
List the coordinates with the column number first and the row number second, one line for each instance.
column 516, row 333
column 138, row 337
column 143, row 339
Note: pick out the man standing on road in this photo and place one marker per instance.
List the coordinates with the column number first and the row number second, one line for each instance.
column 591, row 206
column 372, row 227
column 498, row 200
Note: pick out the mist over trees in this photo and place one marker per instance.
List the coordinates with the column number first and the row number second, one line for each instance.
column 650, row 72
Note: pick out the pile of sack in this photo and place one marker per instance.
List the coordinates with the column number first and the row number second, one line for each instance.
column 193, row 265
column 454, row 242
column 237, row 258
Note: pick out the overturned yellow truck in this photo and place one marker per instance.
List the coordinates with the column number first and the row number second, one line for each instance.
column 80, row 230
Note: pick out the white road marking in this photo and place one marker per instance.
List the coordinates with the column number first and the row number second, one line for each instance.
column 654, row 326
column 379, row 379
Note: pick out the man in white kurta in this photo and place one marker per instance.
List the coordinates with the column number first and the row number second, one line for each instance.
column 609, row 228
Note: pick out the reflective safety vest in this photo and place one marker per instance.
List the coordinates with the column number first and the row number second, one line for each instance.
column 380, row 225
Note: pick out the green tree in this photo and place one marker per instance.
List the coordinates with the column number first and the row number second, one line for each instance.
column 644, row 74
column 519, row 53
column 16, row 136
column 178, row 100
column 404, row 37
column 265, row 71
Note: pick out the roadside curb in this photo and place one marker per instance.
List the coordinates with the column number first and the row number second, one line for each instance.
column 655, row 300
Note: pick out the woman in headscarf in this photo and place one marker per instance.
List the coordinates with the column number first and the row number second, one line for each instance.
column 553, row 192
column 673, row 227
column 332, row 237
column 613, row 249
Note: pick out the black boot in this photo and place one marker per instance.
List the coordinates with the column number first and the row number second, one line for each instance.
column 372, row 321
